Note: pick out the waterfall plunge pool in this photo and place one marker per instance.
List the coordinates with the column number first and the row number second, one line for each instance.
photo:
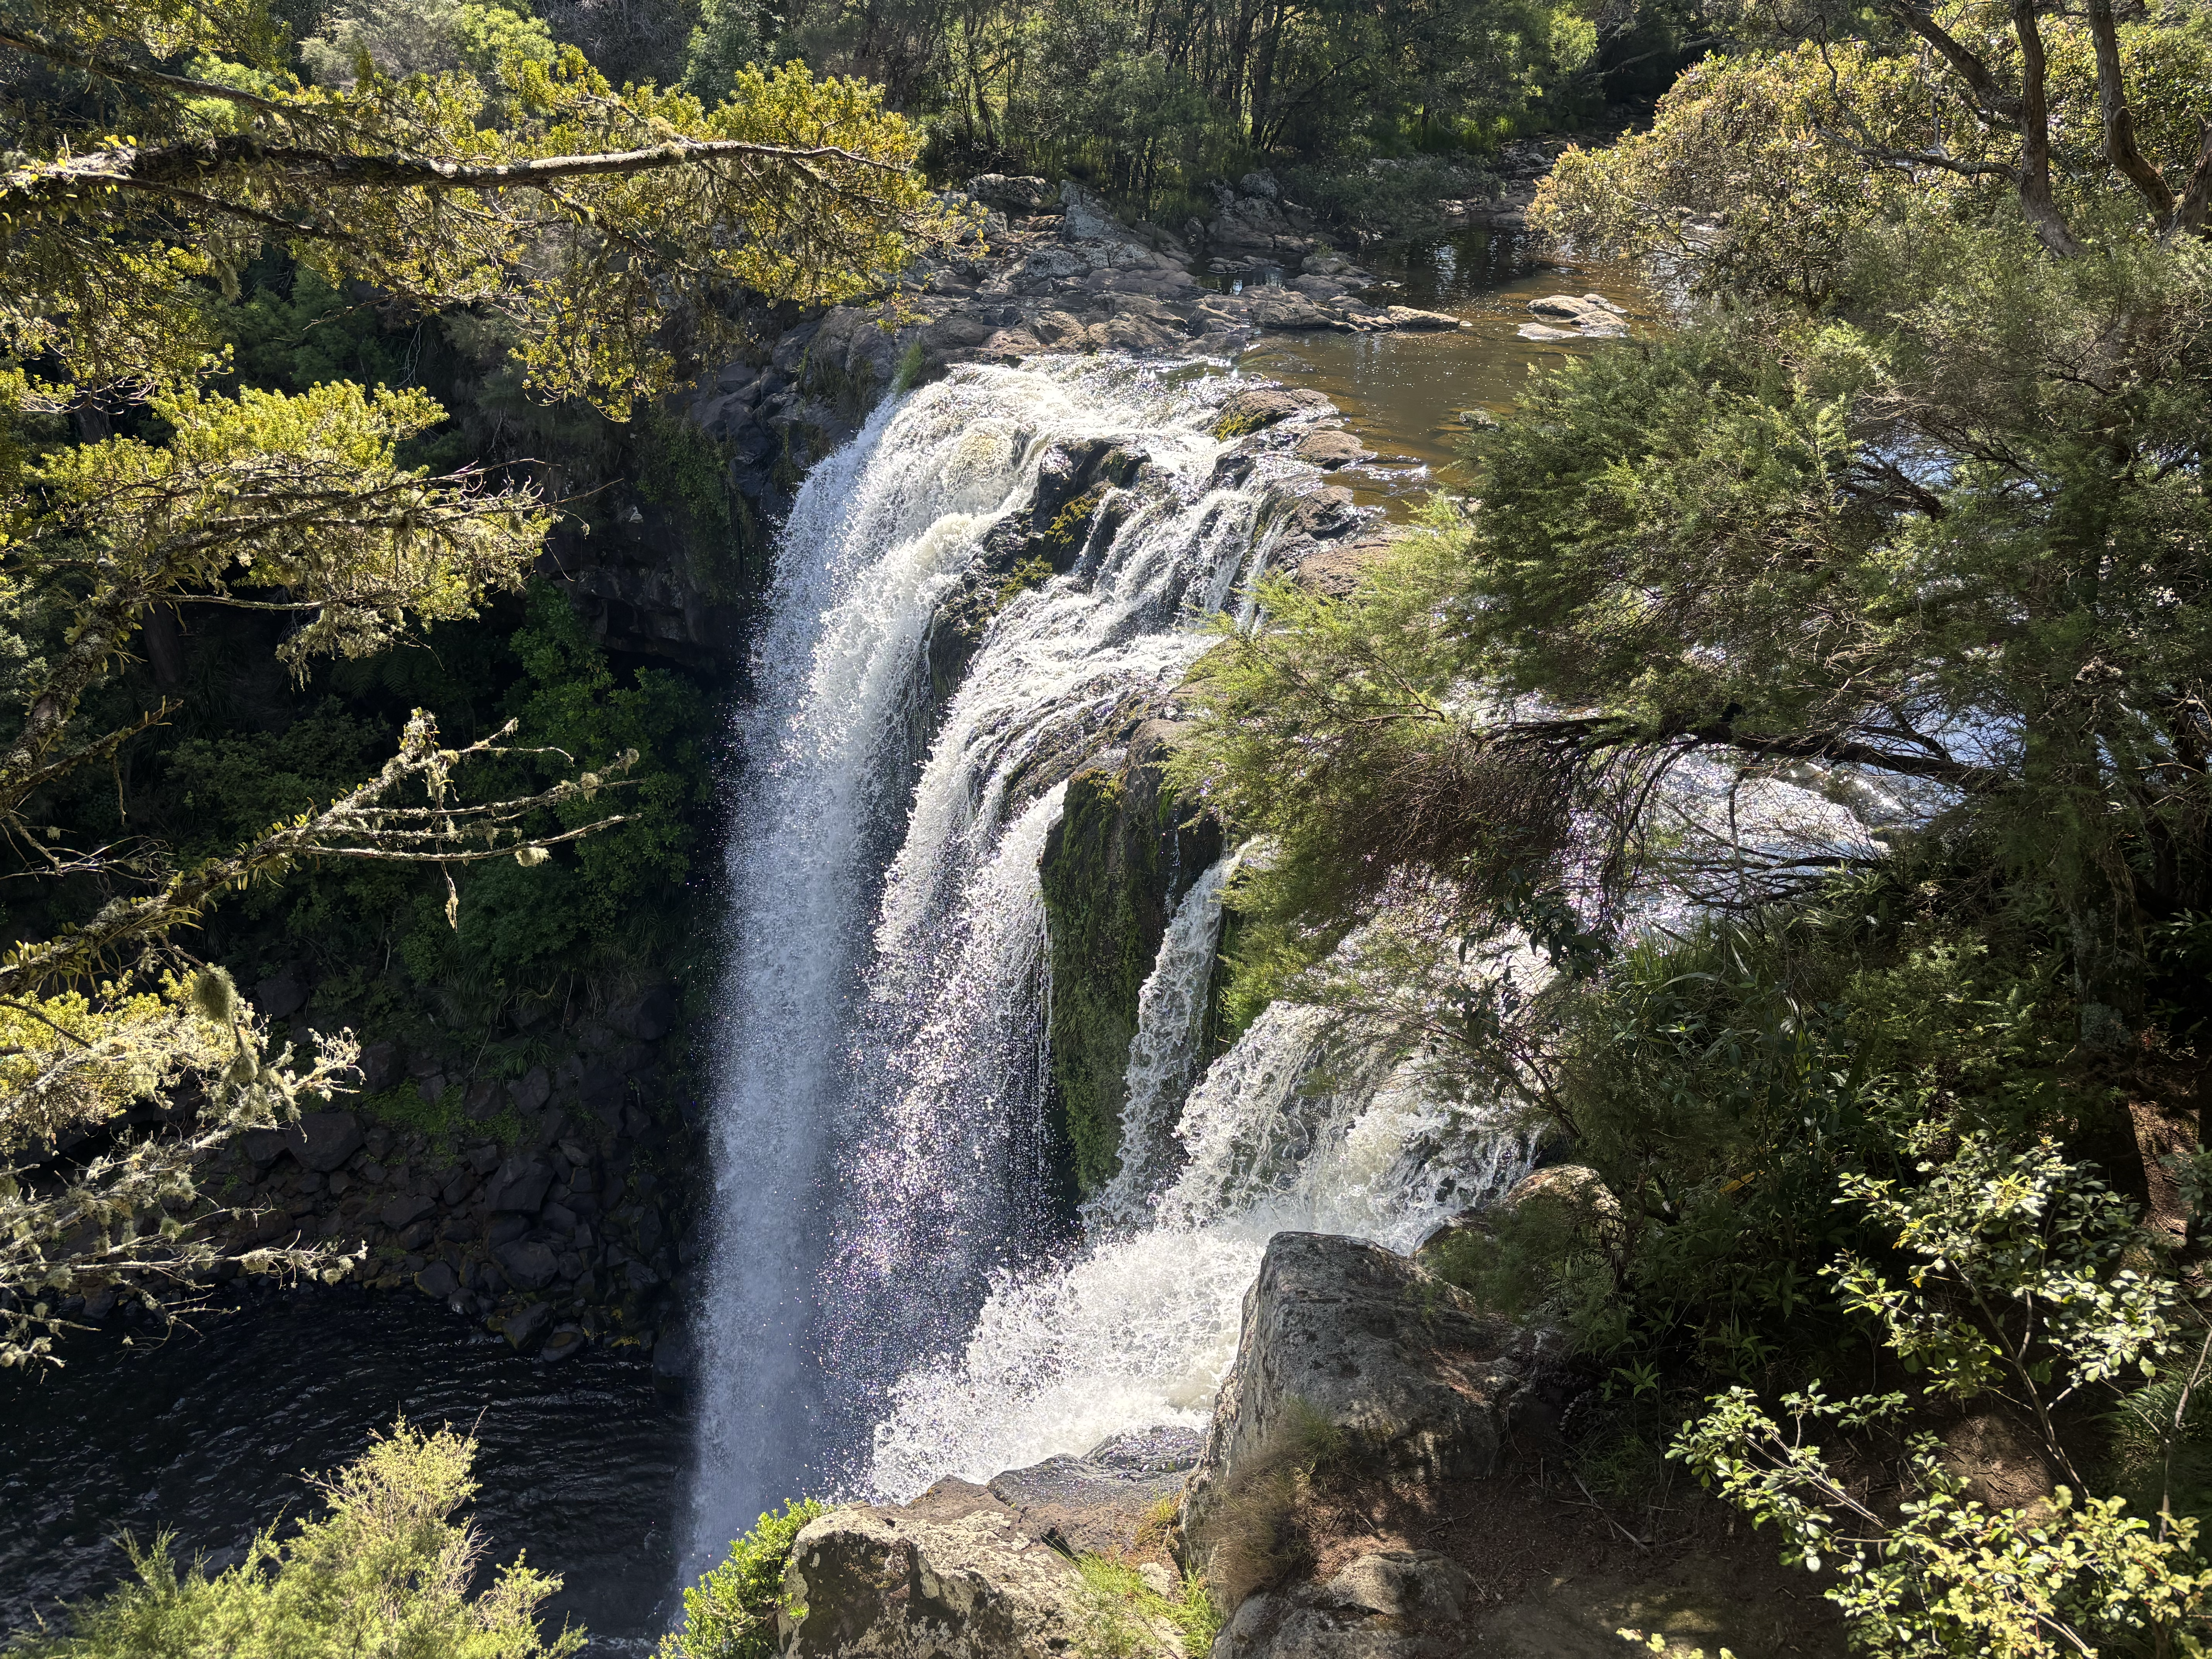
column 207, row 1432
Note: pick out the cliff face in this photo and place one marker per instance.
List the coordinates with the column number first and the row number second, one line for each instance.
column 1124, row 850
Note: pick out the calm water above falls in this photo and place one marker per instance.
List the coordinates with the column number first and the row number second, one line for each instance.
column 1405, row 395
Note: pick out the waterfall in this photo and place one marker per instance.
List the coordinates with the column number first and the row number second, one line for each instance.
column 878, row 1110
column 894, row 1291
column 1304, row 1125
column 1170, row 1017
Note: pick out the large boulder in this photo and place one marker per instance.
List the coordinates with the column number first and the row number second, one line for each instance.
column 520, row 1184
column 1085, row 216
column 1350, row 1341
column 953, row 1575
column 323, row 1141
column 1102, row 1503
column 1393, row 1604
column 1015, row 194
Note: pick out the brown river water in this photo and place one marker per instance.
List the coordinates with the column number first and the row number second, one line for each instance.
column 1405, row 395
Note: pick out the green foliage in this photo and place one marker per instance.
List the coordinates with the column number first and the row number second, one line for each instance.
column 1124, row 1614
column 1152, row 102
column 1803, row 148
column 442, row 1121
column 732, row 1612
column 2015, row 1276
column 1108, row 874
column 105, row 286
column 727, row 41
column 522, row 925
column 911, row 366
column 424, row 36
column 679, row 465
column 384, row 1571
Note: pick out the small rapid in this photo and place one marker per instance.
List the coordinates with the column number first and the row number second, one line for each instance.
column 1307, row 1124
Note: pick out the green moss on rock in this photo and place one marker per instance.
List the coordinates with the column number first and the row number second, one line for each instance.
column 1112, row 867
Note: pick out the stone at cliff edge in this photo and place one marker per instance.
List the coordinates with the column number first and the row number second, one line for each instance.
column 1395, row 1604
column 953, row 1575
column 1356, row 1338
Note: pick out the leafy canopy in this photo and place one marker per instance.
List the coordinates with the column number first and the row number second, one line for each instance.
column 616, row 236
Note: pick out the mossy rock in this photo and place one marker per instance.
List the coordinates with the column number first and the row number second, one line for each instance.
column 1122, row 852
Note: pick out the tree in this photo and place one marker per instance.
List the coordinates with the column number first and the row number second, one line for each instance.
column 620, row 232
column 1907, row 526
column 384, row 1571
column 2015, row 1288
column 732, row 1612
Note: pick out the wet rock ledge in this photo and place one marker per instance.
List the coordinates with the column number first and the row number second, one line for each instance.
column 1041, row 271
column 1344, row 1347
column 1384, row 1478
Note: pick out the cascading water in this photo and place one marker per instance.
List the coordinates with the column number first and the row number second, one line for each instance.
column 1304, row 1125
column 878, row 1120
column 894, row 1294
column 1170, row 1017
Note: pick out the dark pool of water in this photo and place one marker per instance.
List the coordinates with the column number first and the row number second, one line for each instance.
column 208, row 1433
column 1406, row 395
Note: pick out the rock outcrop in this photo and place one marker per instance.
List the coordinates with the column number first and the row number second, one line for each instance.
column 1105, row 1502
column 1123, row 851
column 1587, row 317
column 1393, row 1604
column 989, row 1572
column 1351, row 1339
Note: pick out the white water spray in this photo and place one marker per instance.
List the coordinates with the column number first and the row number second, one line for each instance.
column 1304, row 1126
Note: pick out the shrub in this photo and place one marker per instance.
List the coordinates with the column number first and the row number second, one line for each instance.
column 1251, row 1538
column 2018, row 1279
column 1120, row 1604
column 384, row 1572
column 732, row 1612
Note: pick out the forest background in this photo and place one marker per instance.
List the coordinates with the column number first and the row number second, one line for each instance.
column 1149, row 101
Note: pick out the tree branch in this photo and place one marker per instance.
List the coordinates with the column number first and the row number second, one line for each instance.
column 129, row 74
column 2120, row 147
column 1603, row 732
column 1993, row 99
column 2035, row 138
column 2189, row 217
column 193, row 162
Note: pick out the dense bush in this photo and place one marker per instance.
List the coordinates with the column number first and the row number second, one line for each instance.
column 732, row 1612
column 384, row 1571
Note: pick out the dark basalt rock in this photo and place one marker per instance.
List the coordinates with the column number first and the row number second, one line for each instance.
column 531, row 1264
column 520, row 1184
column 526, row 1327
column 407, row 1210
column 323, row 1141
column 438, row 1280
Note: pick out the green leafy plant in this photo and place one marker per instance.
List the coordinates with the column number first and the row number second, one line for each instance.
column 385, row 1570
column 2015, row 1284
column 1124, row 1613
column 732, row 1612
